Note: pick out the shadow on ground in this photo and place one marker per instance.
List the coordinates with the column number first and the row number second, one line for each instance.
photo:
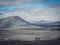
column 41, row 42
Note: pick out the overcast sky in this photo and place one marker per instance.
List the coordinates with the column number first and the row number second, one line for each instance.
column 31, row 10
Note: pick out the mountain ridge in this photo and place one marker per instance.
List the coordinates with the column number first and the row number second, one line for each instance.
column 16, row 22
column 11, row 20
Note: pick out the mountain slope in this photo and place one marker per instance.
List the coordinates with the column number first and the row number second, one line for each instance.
column 15, row 22
column 12, row 21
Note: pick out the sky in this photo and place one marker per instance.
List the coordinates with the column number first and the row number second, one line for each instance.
column 31, row 10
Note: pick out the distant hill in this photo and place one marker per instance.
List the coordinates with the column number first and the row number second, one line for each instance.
column 48, row 24
column 56, row 23
column 42, row 22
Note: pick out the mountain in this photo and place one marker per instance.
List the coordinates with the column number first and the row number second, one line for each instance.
column 48, row 24
column 43, row 22
column 15, row 22
column 55, row 23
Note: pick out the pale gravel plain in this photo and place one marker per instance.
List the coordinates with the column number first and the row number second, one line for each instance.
column 30, row 35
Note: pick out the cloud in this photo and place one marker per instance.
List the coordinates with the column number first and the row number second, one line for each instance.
column 16, row 2
column 19, row 2
column 31, row 9
column 36, row 14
